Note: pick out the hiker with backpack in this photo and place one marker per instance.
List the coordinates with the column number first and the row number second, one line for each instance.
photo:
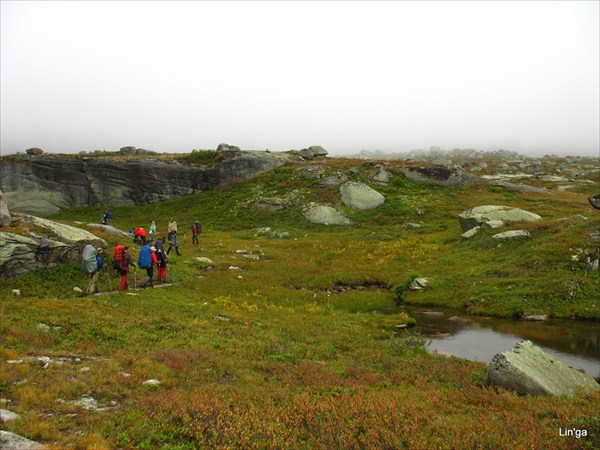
column 146, row 260
column 162, row 259
column 121, row 262
column 152, row 231
column 139, row 236
column 92, row 263
column 196, row 230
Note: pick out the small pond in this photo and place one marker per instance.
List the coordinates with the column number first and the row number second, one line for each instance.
column 575, row 343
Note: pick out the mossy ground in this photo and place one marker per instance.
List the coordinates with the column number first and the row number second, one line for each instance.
column 273, row 355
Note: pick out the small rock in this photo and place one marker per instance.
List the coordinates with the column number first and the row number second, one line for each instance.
column 412, row 225
column 84, row 369
column 14, row 361
column 536, row 318
column 203, row 259
column 8, row 416
column 470, row 233
column 458, row 319
column 43, row 327
column 152, row 382
column 77, row 289
column 125, row 374
column 513, row 234
column 419, row 283
column 16, row 292
column 235, row 268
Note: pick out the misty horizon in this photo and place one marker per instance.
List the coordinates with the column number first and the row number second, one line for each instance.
column 349, row 76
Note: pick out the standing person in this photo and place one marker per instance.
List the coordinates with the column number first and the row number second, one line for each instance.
column 162, row 259
column 196, row 230
column 172, row 225
column 152, row 231
column 146, row 260
column 173, row 242
column 92, row 263
column 108, row 217
column 123, row 260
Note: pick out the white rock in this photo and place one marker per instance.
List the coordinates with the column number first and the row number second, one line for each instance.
column 152, row 382
column 77, row 289
column 16, row 292
column 513, row 234
column 203, row 259
column 8, row 416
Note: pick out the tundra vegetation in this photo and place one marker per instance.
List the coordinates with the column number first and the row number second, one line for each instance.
column 290, row 340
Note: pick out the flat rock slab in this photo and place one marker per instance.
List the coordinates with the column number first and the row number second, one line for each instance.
column 479, row 215
column 527, row 369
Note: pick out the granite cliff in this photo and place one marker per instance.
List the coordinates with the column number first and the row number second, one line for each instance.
column 42, row 185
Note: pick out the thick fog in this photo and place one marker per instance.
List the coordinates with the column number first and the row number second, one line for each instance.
column 350, row 76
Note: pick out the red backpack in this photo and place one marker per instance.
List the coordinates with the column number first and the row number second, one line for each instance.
column 119, row 259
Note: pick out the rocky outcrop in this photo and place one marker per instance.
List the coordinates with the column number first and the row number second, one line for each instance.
column 107, row 229
column 314, row 151
column 526, row 369
column 5, row 218
column 58, row 245
column 325, row 215
column 480, row 215
column 358, row 195
column 443, row 176
column 43, row 185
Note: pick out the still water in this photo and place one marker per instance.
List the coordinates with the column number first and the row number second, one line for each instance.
column 575, row 343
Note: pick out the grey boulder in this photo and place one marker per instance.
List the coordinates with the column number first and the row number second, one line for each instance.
column 527, row 369
column 479, row 215
column 5, row 218
column 325, row 215
column 358, row 195
column 12, row 441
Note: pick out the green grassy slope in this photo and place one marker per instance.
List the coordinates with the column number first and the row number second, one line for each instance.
column 289, row 350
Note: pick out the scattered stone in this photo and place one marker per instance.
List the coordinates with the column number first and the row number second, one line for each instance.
column 125, row 374
column 479, row 215
column 536, row 318
column 14, row 361
column 34, row 151
column 216, row 316
column 8, row 416
column 43, row 327
column 591, row 265
column 77, row 289
column 412, row 225
column 325, row 215
column 16, row 292
column 418, row 283
column 458, row 319
column 470, row 233
column 129, row 150
column 236, row 268
column 251, row 256
column 12, row 441
column 577, row 218
column 84, row 369
column 333, row 180
column 152, row 382
column 527, row 369
column 440, row 175
column 513, row 234
column 203, row 259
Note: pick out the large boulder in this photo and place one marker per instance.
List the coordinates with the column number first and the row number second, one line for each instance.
column 382, row 177
column 444, row 176
column 72, row 236
column 34, row 151
column 479, row 215
column 527, row 369
column 314, row 151
column 52, row 244
column 325, row 215
column 20, row 254
column 5, row 218
column 594, row 201
column 358, row 195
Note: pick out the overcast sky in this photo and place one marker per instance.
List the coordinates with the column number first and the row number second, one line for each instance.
column 394, row 76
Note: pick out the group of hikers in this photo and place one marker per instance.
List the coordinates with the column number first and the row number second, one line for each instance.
column 152, row 253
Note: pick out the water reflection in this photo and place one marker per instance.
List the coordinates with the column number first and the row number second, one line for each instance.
column 575, row 343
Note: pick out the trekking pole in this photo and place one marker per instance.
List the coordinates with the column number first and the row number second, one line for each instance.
column 108, row 276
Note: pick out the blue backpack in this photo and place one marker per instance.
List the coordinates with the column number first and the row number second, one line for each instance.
column 145, row 260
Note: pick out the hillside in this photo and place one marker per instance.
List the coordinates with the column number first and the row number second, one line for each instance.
column 282, row 333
